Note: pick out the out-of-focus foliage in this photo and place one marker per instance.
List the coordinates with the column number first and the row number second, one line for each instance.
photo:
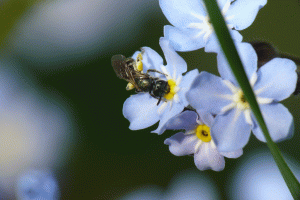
column 61, row 34
column 10, row 12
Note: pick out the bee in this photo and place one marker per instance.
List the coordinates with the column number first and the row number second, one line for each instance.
column 132, row 71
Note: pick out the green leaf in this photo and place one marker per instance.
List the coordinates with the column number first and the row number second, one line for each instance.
column 236, row 65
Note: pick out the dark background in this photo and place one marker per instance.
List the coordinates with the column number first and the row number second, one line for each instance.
column 109, row 159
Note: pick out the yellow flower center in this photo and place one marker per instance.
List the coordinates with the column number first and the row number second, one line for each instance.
column 172, row 85
column 241, row 101
column 203, row 133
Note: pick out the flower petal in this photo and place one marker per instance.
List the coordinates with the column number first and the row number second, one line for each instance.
column 185, row 120
column 184, row 39
column 207, row 92
column 213, row 45
column 279, row 121
column 206, row 117
column 230, row 131
column 276, row 79
column 134, row 56
column 169, row 112
column 182, row 13
column 151, row 60
column 209, row 158
column 141, row 111
column 249, row 60
column 222, row 3
column 232, row 154
column 244, row 12
column 181, row 144
column 175, row 64
column 185, row 85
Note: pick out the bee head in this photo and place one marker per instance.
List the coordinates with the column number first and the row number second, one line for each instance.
column 161, row 88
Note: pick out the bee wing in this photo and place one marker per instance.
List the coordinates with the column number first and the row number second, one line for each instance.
column 131, row 78
column 122, row 70
column 119, row 64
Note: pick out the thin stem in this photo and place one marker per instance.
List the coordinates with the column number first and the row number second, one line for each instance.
column 236, row 65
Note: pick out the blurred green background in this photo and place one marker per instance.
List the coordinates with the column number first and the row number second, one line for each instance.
column 110, row 160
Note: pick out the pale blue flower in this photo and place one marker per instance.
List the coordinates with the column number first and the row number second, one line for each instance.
column 37, row 185
column 187, row 185
column 141, row 109
column 273, row 82
column 192, row 28
column 261, row 178
column 197, row 140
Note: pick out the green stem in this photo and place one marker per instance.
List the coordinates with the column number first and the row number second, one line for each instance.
column 236, row 65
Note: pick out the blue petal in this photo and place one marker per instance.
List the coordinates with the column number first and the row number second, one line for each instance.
column 151, row 60
column 181, row 145
column 244, row 12
column 180, row 13
column 208, row 157
column 168, row 113
column 213, row 45
column 184, row 39
column 276, row 79
column 230, row 131
column 185, row 120
column 175, row 64
column 232, row 154
column 185, row 85
column 221, row 3
column 249, row 60
column 279, row 121
column 207, row 93
column 141, row 111
column 206, row 117
column 134, row 56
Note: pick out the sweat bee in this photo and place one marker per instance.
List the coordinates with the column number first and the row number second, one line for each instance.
column 132, row 71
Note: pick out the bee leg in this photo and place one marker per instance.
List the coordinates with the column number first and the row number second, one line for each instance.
column 152, row 95
column 153, row 70
column 159, row 100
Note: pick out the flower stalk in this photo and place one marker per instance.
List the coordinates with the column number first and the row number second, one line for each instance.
column 236, row 65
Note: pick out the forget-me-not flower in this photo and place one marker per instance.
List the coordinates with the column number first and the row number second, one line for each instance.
column 273, row 82
column 197, row 140
column 141, row 109
column 192, row 27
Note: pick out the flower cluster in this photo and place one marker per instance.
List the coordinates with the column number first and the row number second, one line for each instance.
column 220, row 121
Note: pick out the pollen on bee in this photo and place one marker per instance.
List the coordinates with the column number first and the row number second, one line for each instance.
column 139, row 63
column 129, row 86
